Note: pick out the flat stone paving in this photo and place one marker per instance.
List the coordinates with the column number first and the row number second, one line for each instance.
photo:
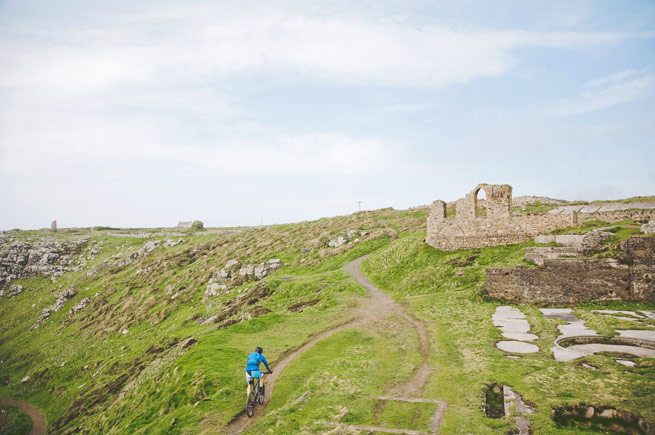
column 576, row 327
column 517, row 347
column 513, row 325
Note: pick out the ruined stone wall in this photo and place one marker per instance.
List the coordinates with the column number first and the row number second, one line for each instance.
column 452, row 234
column 573, row 280
column 499, row 226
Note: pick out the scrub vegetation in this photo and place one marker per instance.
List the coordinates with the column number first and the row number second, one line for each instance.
column 150, row 353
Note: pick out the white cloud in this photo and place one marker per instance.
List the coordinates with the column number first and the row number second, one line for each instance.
column 349, row 50
column 613, row 78
column 616, row 92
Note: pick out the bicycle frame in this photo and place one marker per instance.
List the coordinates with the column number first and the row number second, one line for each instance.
column 256, row 396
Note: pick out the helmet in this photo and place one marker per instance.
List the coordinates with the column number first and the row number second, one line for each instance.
column 259, row 349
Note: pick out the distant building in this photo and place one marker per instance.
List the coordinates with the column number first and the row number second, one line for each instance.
column 184, row 224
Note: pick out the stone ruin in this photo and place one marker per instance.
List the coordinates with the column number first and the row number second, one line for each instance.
column 564, row 281
column 496, row 226
column 493, row 224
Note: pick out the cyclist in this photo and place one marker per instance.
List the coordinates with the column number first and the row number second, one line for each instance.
column 252, row 369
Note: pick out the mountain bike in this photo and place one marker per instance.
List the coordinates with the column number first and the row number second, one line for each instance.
column 256, row 396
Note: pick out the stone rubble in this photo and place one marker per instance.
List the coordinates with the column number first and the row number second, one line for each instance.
column 233, row 274
column 351, row 235
column 79, row 307
column 60, row 301
column 170, row 242
column 127, row 258
column 514, row 403
column 15, row 291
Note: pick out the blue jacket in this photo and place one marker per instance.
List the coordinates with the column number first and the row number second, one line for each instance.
column 254, row 360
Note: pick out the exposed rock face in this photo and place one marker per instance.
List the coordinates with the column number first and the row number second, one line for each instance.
column 234, row 274
column 60, row 301
column 46, row 259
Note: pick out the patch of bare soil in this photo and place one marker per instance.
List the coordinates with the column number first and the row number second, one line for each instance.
column 377, row 306
column 34, row 413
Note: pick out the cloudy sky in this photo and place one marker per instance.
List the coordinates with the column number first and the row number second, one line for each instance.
column 144, row 113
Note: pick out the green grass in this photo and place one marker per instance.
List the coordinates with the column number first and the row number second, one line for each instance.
column 465, row 359
column 13, row 421
column 79, row 366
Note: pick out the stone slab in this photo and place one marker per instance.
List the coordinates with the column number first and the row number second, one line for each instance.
column 569, row 209
column 649, row 314
column 590, row 209
column 520, row 336
column 510, row 320
column 517, row 347
column 626, row 362
column 611, row 207
column 637, row 333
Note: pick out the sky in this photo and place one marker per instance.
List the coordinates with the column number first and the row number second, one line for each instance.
column 143, row 114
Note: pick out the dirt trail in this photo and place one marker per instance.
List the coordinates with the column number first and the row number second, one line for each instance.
column 377, row 306
column 34, row 413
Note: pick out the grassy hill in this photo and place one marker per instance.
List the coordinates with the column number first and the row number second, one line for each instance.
column 152, row 353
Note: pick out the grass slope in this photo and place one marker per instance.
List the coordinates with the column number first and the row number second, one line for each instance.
column 87, row 375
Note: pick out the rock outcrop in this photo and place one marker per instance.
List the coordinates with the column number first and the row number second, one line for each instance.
column 46, row 259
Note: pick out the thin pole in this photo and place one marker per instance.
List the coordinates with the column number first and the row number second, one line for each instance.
column 360, row 205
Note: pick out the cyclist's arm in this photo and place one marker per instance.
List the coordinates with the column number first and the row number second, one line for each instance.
column 265, row 363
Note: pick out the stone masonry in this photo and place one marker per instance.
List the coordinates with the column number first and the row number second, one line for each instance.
column 568, row 281
column 499, row 226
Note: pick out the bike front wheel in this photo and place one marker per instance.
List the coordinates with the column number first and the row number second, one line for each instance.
column 250, row 405
column 260, row 399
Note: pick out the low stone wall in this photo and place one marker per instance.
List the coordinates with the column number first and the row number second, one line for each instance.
column 572, row 280
column 449, row 234
column 452, row 234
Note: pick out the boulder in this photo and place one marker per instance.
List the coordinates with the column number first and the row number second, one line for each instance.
column 339, row 241
column 648, row 228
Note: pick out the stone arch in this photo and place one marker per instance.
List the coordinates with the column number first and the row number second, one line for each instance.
column 487, row 195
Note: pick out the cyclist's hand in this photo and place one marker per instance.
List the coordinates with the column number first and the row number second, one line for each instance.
column 270, row 372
